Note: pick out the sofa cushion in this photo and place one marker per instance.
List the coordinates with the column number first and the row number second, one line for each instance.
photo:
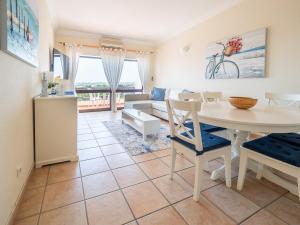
column 158, row 94
column 209, row 142
column 159, row 105
column 172, row 93
column 145, row 104
column 276, row 149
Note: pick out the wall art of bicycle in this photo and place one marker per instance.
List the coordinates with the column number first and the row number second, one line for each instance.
column 237, row 57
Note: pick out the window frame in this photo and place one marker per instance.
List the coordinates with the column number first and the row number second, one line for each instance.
column 103, row 90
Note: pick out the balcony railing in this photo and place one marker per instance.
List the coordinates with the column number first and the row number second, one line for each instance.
column 90, row 100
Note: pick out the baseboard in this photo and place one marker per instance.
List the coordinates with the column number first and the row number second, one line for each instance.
column 12, row 215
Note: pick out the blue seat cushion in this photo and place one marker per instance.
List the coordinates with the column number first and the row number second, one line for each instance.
column 276, row 149
column 292, row 138
column 209, row 142
column 204, row 127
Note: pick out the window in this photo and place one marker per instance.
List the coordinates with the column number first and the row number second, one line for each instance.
column 130, row 78
column 90, row 74
column 58, row 71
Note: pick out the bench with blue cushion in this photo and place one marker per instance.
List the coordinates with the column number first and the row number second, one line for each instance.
column 209, row 142
column 204, row 127
column 276, row 148
column 292, row 138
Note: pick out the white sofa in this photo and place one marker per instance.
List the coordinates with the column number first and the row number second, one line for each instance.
column 144, row 103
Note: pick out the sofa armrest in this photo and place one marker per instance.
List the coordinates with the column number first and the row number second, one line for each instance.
column 136, row 97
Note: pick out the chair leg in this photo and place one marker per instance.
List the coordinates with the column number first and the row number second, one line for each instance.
column 242, row 169
column 227, row 160
column 173, row 159
column 205, row 166
column 260, row 170
column 198, row 177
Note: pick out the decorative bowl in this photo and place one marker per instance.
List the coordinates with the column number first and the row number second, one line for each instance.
column 242, row 102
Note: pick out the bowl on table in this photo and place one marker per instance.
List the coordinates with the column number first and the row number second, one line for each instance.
column 242, row 102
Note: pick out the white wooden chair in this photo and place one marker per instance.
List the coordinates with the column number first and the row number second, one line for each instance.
column 193, row 96
column 280, row 154
column 291, row 100
column 197, row 145
column 212, row 96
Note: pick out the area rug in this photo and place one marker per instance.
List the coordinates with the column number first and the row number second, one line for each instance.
column 133, row 141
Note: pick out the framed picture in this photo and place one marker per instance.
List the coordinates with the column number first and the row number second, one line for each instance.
column 237, row 57
column 20, row 29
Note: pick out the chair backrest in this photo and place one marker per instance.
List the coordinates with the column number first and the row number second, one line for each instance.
column 209, row 96
column 190, row 96
column 183, row 111
column 283, row 99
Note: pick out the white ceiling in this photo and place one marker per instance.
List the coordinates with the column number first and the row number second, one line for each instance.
column 148, row 20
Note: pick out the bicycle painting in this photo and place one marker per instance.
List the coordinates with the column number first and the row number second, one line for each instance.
column 237, row 57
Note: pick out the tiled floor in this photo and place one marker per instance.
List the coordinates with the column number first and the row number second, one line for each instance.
column 110, row 187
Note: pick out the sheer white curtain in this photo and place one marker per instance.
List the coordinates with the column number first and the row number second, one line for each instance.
column 113, row 61
column 144, row 68
column 74, row 54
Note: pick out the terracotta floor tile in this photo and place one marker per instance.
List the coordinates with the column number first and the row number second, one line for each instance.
column 166, row 216
column 73, row 214
column 84, row 131
column 107, row 141
column 144, row 157
column 202, row 213
column 263, row 217
column 162, row 153
column 103, row 134
column 112, row 149
column 132, row 223
column 174, row 190
column 85, row 137
column 90, row 153
column 189, row 176
column 98, row 184
column 257, row 192
column 292, row 197
column 268, row 183
column 93, row 166
column 154, row 168
column 63, row 171
column 28, row 221
column 287, row 210
column 180, row 164
column 63, row 193
column 129, row 175
column 31, row 203
column 38, row 178
column 119, row 160
column 109, row 209
column 81, row 145
column 232, row 203
column 144, row 198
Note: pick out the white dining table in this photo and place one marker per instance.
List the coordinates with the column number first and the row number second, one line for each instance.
column 262, row 118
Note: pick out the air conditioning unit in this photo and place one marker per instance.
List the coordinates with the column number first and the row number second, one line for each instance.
column 109, row 42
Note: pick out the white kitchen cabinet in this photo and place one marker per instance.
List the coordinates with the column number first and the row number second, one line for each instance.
column 55, row 129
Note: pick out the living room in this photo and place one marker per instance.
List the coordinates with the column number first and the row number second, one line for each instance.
column 149, row 112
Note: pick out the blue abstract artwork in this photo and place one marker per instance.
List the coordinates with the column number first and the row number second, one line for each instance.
column 21, row 31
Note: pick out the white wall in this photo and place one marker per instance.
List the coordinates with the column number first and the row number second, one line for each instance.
column 281, row 17
column 19, row 82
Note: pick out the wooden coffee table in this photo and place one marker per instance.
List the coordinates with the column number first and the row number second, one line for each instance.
column 142, row 122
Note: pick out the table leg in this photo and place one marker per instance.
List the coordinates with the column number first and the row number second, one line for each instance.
column 237, row 138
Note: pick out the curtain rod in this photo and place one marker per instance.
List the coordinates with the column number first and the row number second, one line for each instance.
column 98, row 47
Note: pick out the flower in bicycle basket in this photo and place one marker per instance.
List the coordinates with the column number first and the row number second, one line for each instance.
column 233, row 46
